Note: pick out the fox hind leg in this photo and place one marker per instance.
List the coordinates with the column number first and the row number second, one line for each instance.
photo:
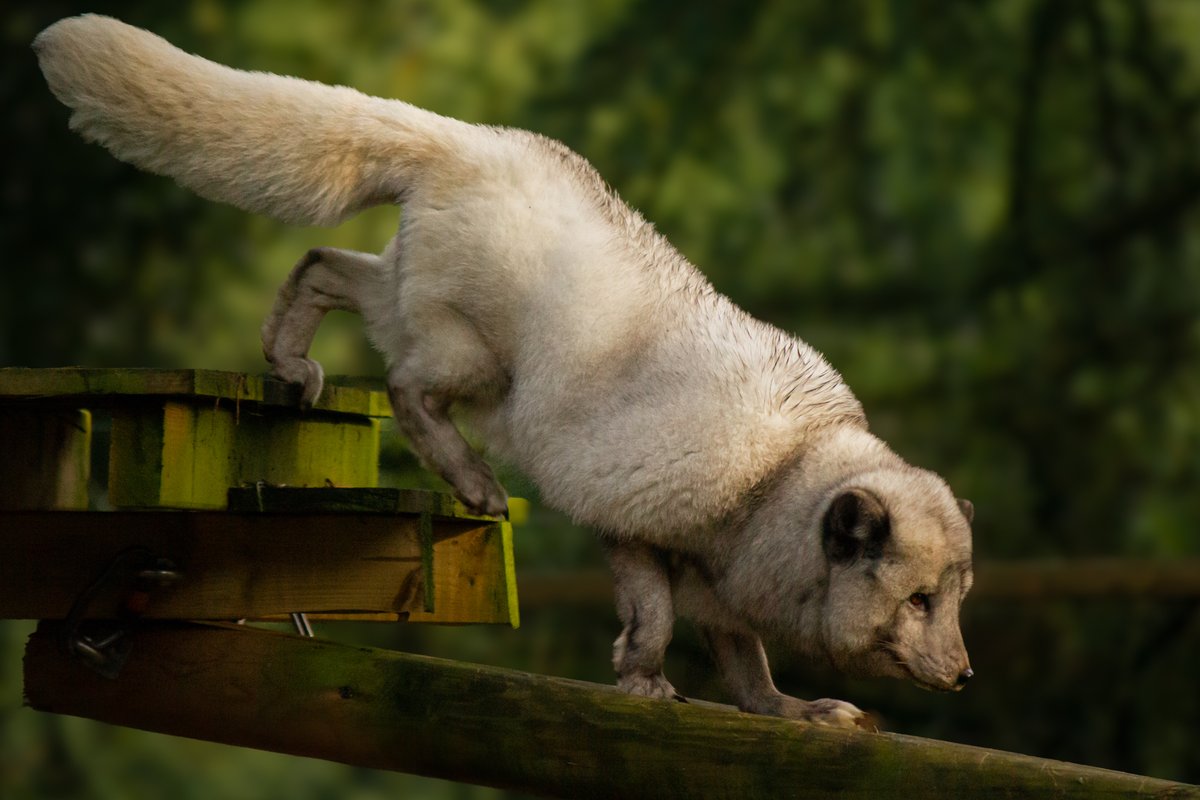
column 444, row 360
column 443, row 363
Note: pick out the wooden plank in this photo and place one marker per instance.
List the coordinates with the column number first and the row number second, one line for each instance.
column 101, row 387
column 259, row 565
column 46, row 460
column 454, row 594
column 177, row 454
column 379, row 500
column 460, row 593
column 513, row 730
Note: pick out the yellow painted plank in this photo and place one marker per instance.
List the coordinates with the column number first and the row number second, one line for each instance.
column 473, row 578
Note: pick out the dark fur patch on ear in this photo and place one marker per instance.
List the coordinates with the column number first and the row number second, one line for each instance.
column 967, row 508
column 855, row 526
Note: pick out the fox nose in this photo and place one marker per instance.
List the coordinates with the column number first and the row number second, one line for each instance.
column 963, row 677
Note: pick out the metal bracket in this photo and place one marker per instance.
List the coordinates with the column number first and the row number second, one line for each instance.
column 104, row 645
column 300, row 620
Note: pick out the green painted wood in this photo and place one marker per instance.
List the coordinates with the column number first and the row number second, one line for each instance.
column 93, row 387
column 45, row 458
column 508, row 729
column 179, row 454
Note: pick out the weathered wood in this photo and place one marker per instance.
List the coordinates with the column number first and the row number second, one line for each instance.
column 515, row 730
column 177, row 454
column 259, row 565
column 45, row 458
column 474, row 578
column 181, row 438
column 89, row 387
column 461, row 596
column 377, row 500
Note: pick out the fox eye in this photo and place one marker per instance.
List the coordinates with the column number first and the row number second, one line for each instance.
column 919, row 600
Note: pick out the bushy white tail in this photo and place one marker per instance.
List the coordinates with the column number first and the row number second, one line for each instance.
column 299, row 151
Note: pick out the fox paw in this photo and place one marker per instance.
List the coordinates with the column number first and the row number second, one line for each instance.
column 305, row 373
column 835, row 713
column 479, row 491
column 644, row 685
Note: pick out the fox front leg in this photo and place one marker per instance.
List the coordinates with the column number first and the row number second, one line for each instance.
column 743, row 664
column 642, row 590
column 324, row 280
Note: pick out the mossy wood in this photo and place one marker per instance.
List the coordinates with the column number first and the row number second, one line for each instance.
column 369, row 500
column 256, row 565
column 514, row 730
column 95, row 387
column 181, row 438
column 182, row 455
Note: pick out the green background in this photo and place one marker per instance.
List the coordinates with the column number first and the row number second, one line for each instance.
column 985, row 214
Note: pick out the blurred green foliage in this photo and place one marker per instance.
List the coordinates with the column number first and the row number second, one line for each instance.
column 985, row 214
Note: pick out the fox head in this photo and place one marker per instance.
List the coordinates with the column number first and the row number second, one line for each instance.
column 898, row 550
column 870, row 573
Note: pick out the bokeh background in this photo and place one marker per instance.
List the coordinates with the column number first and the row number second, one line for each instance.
column 986, row 214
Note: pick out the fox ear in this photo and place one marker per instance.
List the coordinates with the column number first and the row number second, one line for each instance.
column 856, row 525
column 967, row 508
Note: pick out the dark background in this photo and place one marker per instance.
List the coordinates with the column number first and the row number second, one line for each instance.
column 985, row 214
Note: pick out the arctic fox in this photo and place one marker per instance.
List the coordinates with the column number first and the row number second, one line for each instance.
column 725, row 465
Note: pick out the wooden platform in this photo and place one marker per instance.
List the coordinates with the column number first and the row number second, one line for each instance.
column 266, row 508
column 180, row 438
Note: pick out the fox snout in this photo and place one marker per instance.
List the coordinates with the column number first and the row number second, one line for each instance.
column 940, row 673
column 947, row 681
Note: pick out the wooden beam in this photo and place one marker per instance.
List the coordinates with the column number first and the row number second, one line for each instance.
column 1089, row 578
column 1066, row 579
column 518, row 731
column 262, row 564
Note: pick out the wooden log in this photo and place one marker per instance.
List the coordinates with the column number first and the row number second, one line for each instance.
column 260, row 565
column 45, row 460
column 518, row 731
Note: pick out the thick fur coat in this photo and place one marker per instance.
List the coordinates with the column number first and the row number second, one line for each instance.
column 726, row 465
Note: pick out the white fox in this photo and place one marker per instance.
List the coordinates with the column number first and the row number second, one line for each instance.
column 726, row 466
